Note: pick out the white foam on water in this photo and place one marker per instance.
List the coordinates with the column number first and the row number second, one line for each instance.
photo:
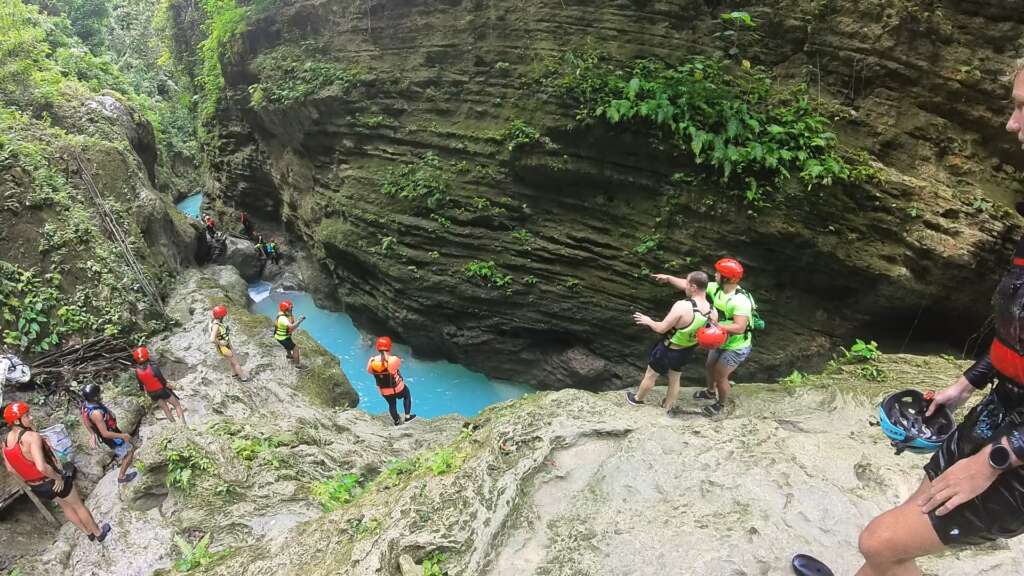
column 259, row 291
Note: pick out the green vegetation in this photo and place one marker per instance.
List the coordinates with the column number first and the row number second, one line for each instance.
column 291, row 74
column 396, row 470
column 518, row 133
column 740, row 126
column 861, row 351
column 184, row 464
column 338, row 491
column 194, row 555
column 739, row 32
column 488, row 272
column 522, row 236
column 795, row 379
column 648, row 242
column 443, row 461
column 249, row 449
column 433, row 565
column 424, row 181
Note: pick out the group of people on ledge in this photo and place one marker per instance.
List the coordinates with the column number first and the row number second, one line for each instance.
column 718, row 316
column 266, row 250
column 29, row 456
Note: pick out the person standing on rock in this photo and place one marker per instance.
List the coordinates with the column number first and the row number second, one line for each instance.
column 734, row 308
column 153, row 383
column 385, row 370
column 247, row 227
column 284, row 326
column 220, row 335
column 28, row 456
column 973, row 488
column 100, row 421
column 679, row 330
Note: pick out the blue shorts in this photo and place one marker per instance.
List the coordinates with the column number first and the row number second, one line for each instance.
column 119, row 447
column 729, row 358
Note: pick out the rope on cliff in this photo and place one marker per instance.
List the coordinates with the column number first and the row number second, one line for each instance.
column 115, row 231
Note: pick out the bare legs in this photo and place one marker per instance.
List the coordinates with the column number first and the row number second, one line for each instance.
column 173, row 401
column 76, row 512
column 647, row 384
column 891, row 542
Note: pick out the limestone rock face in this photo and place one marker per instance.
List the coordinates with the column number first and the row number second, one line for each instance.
column 564, row 217
column 575, row 483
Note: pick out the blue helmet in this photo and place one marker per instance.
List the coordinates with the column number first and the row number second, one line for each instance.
column 901, row 416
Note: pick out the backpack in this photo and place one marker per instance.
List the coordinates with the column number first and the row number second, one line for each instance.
column 756, row 322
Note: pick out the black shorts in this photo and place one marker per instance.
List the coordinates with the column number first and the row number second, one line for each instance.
column 663, row 358
column 288, row 344
column 998, row 512
column 162, row 394
column 45, row 491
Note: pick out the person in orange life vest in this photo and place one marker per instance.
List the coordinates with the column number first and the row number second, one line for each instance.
column 152, row 382
column 100, row 421
column 28, row 456
column 385, row 370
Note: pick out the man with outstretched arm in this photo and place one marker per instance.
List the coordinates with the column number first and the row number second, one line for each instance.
column 679, row 337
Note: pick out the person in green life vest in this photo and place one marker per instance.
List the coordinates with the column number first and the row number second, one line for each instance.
column 679, row 330
column 734, row 309
column 220, row 335
column 283, row 328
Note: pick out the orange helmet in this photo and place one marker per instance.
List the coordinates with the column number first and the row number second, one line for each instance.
column 140, row 354
column 711, row 336
column 14, row 411
column 730, row 269
column 220, row 311
column 384, row 344
column 285, row 305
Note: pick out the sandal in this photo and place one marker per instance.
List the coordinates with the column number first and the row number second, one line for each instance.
column 704, row 394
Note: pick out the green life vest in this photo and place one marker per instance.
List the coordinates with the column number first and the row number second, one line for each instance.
column 281, row 331
column 723, row 302
column 687, row 337
column 223, row 333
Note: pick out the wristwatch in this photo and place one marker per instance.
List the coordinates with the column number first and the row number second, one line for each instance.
column 999, row 457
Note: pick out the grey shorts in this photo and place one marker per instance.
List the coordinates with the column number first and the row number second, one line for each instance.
column 730, row 358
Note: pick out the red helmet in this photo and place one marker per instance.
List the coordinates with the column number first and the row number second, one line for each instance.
column 140, row 354
column 384, row 344
column 730, row 269
column 14, row 411
column 711, row 337
column 220, row 311
column 285, row 305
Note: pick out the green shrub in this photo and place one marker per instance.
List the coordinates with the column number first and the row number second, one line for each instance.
column 433, row 565
column 795, row 378
column 249, row 449
column 518, row 133
column 423, row 181
column 444, row 461
column 488, row 272
column 648, row 242
column 861, row 351
column 291, row 74
column 742, row 127
column 194, row 555
column 338, row 491
column 184, row 464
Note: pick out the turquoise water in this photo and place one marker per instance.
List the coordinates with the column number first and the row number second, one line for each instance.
column 437, row 387
column 190, row 206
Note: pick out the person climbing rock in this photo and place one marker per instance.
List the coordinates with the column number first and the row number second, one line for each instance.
column 274, row 252
column 261, row 253
column 211, row 226
column 220, row 335
column 679, row 339
column 974, row 483
column 284, row 326
column 247, row 227
column 734, row 308
column 27, row 455
column 385, row 370
column 100, row 421
column 152, row 382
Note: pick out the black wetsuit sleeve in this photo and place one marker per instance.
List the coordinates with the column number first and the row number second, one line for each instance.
column 981, row 373
column 159, row 375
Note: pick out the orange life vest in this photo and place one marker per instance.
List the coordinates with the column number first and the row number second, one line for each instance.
column 22, row 465
column 385, row 372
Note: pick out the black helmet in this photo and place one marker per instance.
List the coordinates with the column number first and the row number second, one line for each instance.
column 91, row 392
column 903, row 421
